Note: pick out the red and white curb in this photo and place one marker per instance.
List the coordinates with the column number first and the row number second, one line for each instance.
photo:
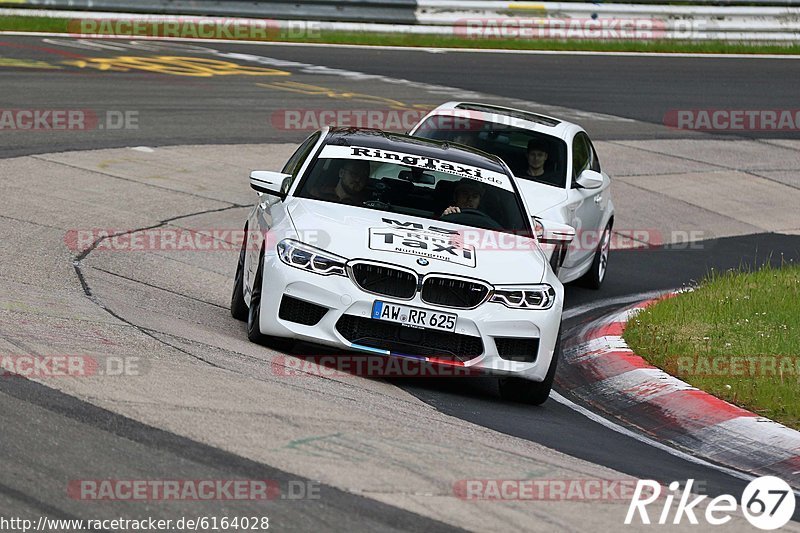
column 608, row 375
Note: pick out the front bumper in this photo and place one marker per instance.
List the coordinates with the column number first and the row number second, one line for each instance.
column 341, row 296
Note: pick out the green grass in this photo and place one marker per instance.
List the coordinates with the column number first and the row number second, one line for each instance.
column 745, row 322
column 46, row 24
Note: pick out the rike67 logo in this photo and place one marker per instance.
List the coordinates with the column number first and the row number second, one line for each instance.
column 767, row 503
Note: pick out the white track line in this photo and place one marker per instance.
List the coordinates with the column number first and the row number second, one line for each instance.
column 410, row 48
column 631, row 298
column 650, row 442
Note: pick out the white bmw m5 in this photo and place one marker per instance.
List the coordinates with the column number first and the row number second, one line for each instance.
column 387, row 244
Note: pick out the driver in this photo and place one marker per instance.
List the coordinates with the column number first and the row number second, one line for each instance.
column 467, row 194
column 353, row 177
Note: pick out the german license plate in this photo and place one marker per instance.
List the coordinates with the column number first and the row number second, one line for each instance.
column 413, row 316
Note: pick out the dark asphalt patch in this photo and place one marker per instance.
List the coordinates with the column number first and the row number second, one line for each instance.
column 67, row 439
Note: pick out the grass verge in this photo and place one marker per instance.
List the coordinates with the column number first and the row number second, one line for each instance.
column 59, row 25
column 737, row 336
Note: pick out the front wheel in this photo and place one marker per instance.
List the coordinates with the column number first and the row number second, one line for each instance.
column 254, row 315
column 254, row 312
column 521, row 390
column 593, row 279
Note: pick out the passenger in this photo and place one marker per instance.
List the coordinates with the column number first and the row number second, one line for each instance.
column 537, row 155
column 353, row 177
column 467, row 194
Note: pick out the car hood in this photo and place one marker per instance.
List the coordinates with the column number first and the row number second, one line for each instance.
column 539, row 197
column 360, row 233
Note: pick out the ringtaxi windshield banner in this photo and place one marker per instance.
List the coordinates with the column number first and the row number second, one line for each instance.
column 482, row 175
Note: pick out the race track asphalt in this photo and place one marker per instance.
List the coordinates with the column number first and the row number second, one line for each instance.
column 50, row 436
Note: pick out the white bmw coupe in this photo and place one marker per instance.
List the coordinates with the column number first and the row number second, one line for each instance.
column 557, row 171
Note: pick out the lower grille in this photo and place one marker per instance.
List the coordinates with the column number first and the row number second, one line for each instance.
column 451, row 292
column 301, row 312
column 407, row 340
column 518, row 349
column 384, row 280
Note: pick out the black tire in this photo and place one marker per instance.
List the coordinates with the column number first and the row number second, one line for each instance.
column 254, row 311
column 521, row 390
column 593, row 279
column 238, row 305
column 254, row 315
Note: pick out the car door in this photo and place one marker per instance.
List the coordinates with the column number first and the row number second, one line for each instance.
column 585, row 206
column 262, row 217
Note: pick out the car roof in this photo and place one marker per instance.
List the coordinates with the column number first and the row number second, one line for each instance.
column 400, row 142
column 514, row 117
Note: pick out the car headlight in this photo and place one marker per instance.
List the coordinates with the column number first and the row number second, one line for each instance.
column 301, row 255
column 541, row 296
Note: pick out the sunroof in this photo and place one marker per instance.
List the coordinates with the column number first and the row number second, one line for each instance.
column 522, row 115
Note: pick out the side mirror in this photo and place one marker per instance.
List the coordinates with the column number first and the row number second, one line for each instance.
column 589, row 179
column 268, row 182
column 550, row 232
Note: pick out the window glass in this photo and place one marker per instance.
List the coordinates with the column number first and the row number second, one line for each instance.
column 295, row 163
column 595, row 160
column 580, row 155
column 507, row 142
column 415, row 191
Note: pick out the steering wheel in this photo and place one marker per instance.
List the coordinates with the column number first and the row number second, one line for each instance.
column 376, row 204
column 473, row 217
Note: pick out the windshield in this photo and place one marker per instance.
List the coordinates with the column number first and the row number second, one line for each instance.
column 414, row 185
column 529, row 155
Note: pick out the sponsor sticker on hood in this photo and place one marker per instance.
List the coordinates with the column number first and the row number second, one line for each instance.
column 446, row 247
column 482, row 175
